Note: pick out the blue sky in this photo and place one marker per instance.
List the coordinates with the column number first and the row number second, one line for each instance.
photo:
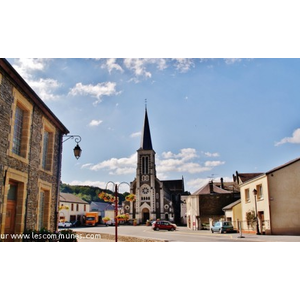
column 208, row 117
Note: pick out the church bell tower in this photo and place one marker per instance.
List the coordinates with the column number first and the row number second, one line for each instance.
column 145, row 188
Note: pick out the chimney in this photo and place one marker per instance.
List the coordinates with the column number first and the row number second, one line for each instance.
column 211, row 187
column 237, row 177
column 222, row 183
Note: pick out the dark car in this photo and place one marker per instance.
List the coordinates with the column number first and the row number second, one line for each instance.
column 163, row 225
column 222, row 227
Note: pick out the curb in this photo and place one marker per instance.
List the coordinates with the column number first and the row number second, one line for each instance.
column 121, row 238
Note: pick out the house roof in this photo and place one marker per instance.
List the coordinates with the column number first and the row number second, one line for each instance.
column 231, row 205
column 205, row 190
column 70, row 198
column 247, row 176
column 283, row 166
column 229, row 186
column 30, row 93
column 100, row 206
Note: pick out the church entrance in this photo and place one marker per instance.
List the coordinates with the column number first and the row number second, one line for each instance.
column 145, row 215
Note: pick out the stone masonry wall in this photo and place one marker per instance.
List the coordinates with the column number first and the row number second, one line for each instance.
column 32, row 169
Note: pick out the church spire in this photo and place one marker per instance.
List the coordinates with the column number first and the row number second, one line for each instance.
column 146, row 143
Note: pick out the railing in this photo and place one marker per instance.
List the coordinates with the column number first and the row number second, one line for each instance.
column 251, row 226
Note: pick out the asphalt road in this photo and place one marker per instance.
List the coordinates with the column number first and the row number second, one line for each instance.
column 183, row 234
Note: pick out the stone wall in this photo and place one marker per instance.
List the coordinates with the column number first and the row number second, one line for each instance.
column 32, row 167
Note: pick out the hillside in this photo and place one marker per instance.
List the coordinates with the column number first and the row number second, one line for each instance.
column 88, row 193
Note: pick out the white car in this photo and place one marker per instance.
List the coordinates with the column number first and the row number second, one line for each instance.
column 111, row 222
column 65, row 224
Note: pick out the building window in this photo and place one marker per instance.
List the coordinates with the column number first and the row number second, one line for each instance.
column 20, row 127
column 84, row 207
column 72, row 207
column 77, row 207
column 260, row 195
column 247, row 195
column 47, row 146
column 41, row 210
column 43, row 213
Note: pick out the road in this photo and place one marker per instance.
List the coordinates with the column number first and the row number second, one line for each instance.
column 183, row 234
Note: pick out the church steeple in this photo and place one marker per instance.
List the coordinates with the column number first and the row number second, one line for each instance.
column 146, row 143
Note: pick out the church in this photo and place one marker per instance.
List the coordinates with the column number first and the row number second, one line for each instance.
column 155, row 199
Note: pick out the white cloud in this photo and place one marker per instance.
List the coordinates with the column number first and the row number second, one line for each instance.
column 294, row 139
column 138, row 66
column 44, row 87
column 97, row 91
column 184, row 64
column 215, row 163
column 111, row 64
column 94, row 123
column 25, row 66
column 208, row 154
column 185, row 154
column 99, row 184
column 135, row 134
column 86, row 165
column 180, row 162
column 230, row 61
column 195, row 184
column 126, row 165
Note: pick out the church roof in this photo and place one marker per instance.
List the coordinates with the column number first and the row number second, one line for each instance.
column 174, row 185
column 146, row 143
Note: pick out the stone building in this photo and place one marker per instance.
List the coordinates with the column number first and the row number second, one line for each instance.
column 155, row 199
column 206, row 204
column 30, row 157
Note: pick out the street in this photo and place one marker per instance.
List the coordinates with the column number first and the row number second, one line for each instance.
column 183, row 234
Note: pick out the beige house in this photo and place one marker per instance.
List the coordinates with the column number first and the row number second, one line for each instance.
column 233, row 213
column 275, row 198
column 72, row 208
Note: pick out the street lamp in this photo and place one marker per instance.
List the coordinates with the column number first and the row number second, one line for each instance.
column 77, row 150
column 116, row 186
column 255, row 201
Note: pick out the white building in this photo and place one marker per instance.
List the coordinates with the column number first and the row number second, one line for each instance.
column 72, row 208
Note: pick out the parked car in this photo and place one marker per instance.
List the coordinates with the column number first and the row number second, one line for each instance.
column 164, row 225
column 110, row 222
column 76, row 223
column 222, row 227
column 65, row 224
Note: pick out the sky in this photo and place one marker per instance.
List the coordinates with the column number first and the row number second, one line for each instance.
column 208, row 117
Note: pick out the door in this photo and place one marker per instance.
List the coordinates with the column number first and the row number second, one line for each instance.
column 145, row 215
column 10, row 216
column 10, row 219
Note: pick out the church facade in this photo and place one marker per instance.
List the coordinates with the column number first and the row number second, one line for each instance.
column 155, row 199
